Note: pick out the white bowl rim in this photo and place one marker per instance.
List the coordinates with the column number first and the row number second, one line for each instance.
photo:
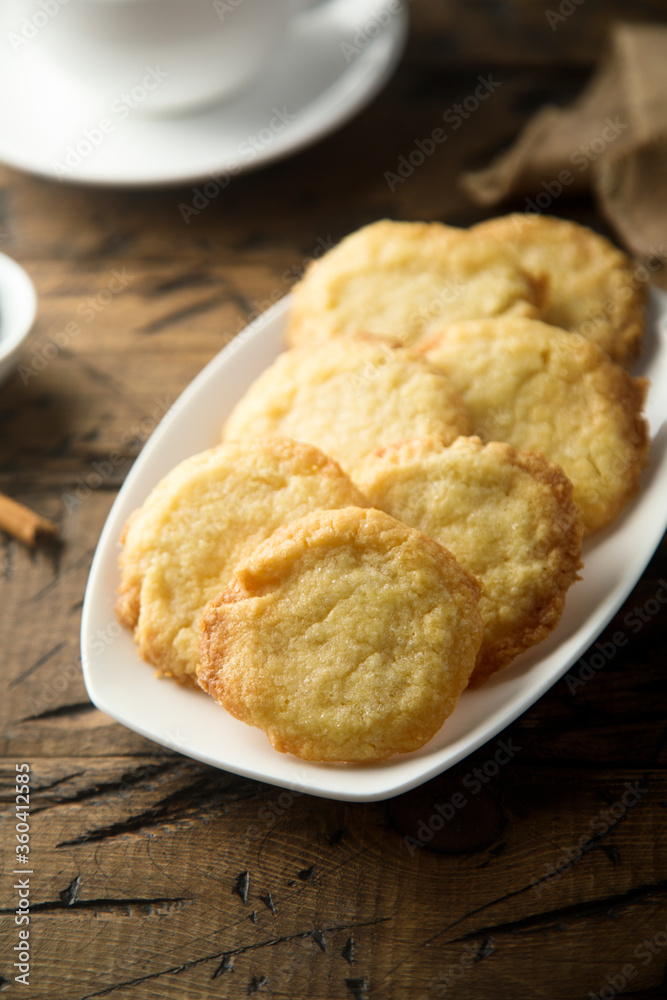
column 18, row 305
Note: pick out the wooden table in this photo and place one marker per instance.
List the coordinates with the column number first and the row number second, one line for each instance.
column 156, row 877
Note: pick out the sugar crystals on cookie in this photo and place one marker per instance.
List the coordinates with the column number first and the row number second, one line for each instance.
column 349, row 396
column 396, row 279
column 180, row 548
column 592, row 286
column 509, row 519
column 540, row 388
column 346, row 636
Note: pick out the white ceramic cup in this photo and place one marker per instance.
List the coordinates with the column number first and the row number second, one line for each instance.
column 172, row 54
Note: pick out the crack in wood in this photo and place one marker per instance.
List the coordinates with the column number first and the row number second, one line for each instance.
column 268, row 902
column 69, row 895
column 199, row 798
column 36, row 789
column 242, row 303
column 226, row 965
column 145, row 772
column 41, row 401
column 563, row 914
column 187, row 312
column 319, row 939
column 225, row 956
column 114, row 243
column 485, row 949
column 242, row 885
column 256, row 984
column 612, row 853
column 39, row 663
column 76, row 708
column 144, row 906
column 84, row 558
column 595, row 842
column 192, row 279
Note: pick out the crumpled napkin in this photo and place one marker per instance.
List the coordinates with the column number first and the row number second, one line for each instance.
column 611, row 140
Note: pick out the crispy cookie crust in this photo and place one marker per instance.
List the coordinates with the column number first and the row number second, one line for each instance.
column 398, row 278
column 346, row 636
column 181, row 546
column 509, row 519
column 349, row 396
column 542, row 389
column 593, row 288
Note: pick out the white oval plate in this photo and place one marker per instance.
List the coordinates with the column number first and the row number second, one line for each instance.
column 124, row 686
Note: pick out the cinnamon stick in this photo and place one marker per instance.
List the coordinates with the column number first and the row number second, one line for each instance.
column 23, row 523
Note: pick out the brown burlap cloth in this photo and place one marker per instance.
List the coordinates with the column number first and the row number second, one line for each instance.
column 611, row 140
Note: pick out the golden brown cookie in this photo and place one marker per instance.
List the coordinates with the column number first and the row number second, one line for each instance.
column 349, row 396
column 542, row 389
column 346, row 636
column 508, row 518
column 181, row 547
column 592, row 287
column 397, row 279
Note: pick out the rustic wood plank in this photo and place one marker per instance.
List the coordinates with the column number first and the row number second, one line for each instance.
column 563, row 860
column 44, row 701
column 536, row 873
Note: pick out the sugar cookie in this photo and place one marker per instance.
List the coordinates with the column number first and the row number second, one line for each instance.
column 397, row 279
column 181, row 547
column 508, row 518
column 345, row 636
column 349, row 396
column 593, row 288
column 542, row 389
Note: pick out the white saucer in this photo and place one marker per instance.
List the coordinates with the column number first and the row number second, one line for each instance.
column 334, row 59
column 18, row 306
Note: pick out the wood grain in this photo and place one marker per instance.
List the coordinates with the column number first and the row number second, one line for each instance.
column 157, row 877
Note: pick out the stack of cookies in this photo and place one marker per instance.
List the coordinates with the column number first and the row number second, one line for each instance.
column 397, row 507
